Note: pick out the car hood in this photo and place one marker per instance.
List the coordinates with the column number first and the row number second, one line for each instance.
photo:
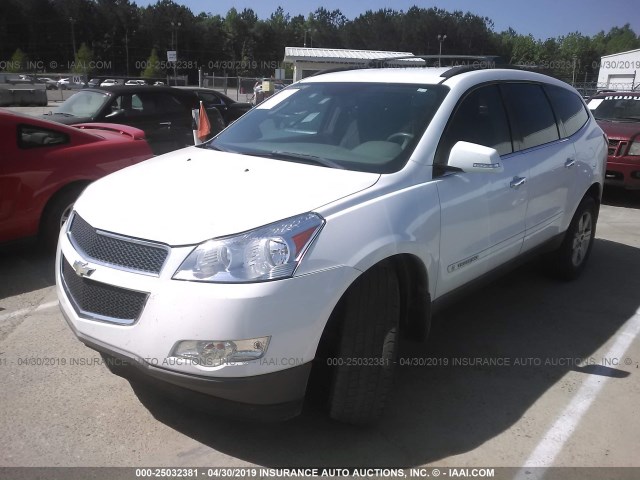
column 191, row 195
column 620, row 130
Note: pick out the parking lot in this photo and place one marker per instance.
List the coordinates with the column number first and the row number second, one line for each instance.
column 526, row 371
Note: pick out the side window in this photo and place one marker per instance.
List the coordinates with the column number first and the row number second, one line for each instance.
column 33, row 137
column 162, row 103
column 531, row 114
column 480, row 119
column 210, row 98
column 569, row 109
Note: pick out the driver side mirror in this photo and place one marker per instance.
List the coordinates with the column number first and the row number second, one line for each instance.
column 474, row 158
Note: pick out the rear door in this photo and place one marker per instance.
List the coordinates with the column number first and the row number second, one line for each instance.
column 165, row 120
column 550, row 158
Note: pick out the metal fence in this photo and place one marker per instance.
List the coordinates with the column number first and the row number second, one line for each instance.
column 242, row 89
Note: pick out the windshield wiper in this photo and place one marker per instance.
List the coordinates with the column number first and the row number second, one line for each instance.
column 634, row 119
column 62, row 113
column 325, row 162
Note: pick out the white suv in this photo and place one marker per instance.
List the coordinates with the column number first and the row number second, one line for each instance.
column 324, row 223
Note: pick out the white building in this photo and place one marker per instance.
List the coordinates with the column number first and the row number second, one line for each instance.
column 620, row 71
column 307, row 61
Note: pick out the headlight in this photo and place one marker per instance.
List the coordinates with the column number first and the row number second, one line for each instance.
column 266, row 253
column 634, row 149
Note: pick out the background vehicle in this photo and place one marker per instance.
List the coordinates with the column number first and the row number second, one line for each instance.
column 163, row 113
column 133, row 82
column 50, row 83
column 44, row 166
column 109, row 82
column 618, row 114
column 230, row 109
column 69, row 83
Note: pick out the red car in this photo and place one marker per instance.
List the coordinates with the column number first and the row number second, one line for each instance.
column 45, row 165
column 618, row 114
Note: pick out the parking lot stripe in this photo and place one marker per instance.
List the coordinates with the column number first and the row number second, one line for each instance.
column 567, row 422
column 26, row 311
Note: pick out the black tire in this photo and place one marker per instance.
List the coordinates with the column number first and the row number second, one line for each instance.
column 367, row 349
column 568, row 262
column 54, row 215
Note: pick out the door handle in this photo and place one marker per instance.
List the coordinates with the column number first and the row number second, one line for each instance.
column 165, row 124
column 518, row 181
column 569, row 163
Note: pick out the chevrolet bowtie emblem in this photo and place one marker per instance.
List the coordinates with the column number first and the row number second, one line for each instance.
column 82, row 269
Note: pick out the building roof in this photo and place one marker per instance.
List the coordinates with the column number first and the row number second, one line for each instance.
column 621, row 53
column 339, row 55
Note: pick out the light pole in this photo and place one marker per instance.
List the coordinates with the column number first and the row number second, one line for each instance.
column 310, row 37
column 573, row 78
column 441, row 38
column 174, row 27
column 73, row 37
column 126, row 46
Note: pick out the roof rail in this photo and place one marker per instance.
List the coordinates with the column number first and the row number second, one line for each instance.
column 338, row 69
column 458, row 63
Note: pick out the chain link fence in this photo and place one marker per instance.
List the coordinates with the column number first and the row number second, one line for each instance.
column 242, row 89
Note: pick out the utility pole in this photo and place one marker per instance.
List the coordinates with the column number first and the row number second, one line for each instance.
column 73, row 37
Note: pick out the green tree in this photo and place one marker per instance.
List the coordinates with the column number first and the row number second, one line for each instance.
column 153, row 69
column 83, row 60
column 18, row 62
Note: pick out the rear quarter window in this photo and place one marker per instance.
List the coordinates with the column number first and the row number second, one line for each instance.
column 30, row 136
column 569, row 109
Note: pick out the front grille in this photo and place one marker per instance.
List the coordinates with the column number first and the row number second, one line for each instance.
column 99, row 301
column 129, row 254
column 617, row 147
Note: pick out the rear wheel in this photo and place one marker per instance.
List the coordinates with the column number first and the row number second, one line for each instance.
column 570, row 259
column 363, row 366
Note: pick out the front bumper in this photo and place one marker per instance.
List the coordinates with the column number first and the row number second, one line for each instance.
column 623, row 172
column 292, row 312
column 272, row 397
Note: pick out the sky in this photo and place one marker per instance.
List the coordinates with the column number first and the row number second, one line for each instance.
column 541, row 18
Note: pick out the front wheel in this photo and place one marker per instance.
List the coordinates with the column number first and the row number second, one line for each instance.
column 571, row 258
column 363, row 366
column 56, row 214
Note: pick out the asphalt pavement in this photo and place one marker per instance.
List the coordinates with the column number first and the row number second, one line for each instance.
column 527, row 371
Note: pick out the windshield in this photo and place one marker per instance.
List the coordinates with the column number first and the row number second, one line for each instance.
column 83, row 104
column 617, row 107
column 369, row 127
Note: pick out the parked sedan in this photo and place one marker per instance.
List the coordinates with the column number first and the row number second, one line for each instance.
column 50, row 83
column 163, row 113
column 230, row 109
column 44, row 166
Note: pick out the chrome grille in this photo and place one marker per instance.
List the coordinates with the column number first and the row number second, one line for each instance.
column 99, row 301
column 109, row 249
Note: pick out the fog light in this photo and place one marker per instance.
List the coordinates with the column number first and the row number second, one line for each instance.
column 212, row 353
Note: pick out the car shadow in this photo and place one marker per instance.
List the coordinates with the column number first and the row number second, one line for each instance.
column 438, row 410
column 25, row 268
column 619, row 197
